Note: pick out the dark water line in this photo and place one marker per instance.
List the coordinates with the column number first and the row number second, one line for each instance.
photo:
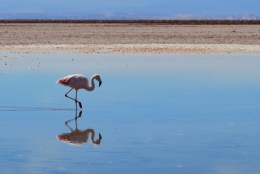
column 19, row 108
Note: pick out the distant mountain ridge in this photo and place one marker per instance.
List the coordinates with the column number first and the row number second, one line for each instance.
column 122, row 16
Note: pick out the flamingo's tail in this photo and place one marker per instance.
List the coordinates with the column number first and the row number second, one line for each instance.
column 63, row 81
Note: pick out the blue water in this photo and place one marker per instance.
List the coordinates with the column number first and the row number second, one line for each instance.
column 157, row 113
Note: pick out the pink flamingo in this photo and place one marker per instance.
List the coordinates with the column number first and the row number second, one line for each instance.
column 79, row 137
column 78, row 81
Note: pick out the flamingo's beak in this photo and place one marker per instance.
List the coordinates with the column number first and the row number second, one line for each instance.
column 100, row 84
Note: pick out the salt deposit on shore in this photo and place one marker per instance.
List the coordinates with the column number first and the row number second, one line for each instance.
column 155, row 48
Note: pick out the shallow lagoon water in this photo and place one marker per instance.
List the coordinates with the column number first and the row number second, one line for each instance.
column 170, row 113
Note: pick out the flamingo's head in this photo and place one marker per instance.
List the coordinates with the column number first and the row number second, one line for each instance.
column 97, row 141
column 97, row 77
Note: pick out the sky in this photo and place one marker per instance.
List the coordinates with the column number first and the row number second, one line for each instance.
column 166, row 8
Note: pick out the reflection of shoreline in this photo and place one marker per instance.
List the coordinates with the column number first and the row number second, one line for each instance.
column 140, row 48
column 78, row 137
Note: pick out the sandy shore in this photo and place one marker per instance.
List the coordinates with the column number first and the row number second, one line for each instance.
column 89, row 37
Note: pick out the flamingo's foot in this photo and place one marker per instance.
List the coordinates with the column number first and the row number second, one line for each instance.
column 80, row 105
column 80, row 113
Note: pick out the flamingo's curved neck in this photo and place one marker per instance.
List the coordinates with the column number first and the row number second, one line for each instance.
column 92, row 132
column 92, row 87
column 92, row 135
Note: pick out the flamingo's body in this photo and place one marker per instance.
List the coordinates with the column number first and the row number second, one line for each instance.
column 78, row 81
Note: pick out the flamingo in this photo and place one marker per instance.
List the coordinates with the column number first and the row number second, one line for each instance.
column 79, row 137
column 78, row 81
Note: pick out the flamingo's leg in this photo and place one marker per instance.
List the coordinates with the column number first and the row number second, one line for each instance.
column 66, row 95
column 76, row 101
column 76, row 117
column 80, row 105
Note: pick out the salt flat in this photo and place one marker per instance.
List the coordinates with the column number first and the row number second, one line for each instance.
column 114, row 37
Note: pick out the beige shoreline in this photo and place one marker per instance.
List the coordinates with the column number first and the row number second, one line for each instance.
column 139, row 48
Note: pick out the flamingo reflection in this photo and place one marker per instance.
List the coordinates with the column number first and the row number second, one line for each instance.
column 78, row 137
